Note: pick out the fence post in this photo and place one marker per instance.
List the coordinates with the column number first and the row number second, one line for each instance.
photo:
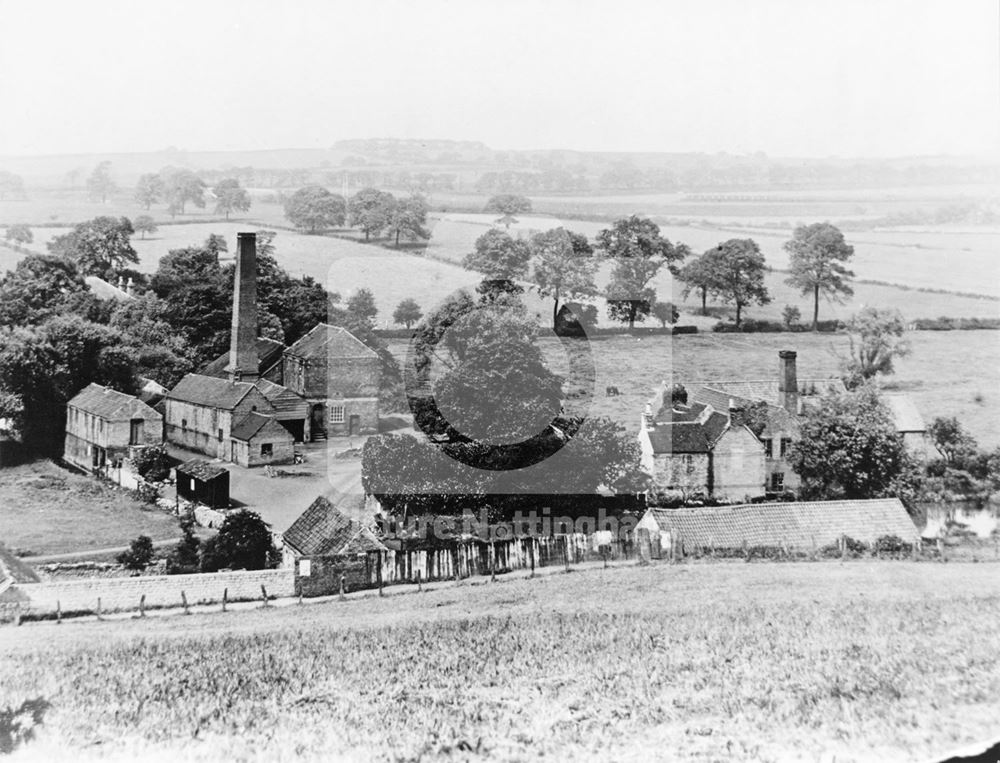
column 263, row 593
column 343, row 586
column 420, row 586
column 493, row 562
column 566, row 554
column 531, row 555
column 843, row 547
column 142, row 605
column 58, row 612
column 225, row 598
column 184, row 601
column 98, row 607
column 300, row 596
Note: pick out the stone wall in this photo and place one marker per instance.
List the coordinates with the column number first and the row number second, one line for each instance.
column 123, row 594
column 738, row 465
column 683, row 472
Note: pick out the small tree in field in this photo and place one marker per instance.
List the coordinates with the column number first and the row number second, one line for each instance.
column 738, row 270
column 818, row 257
column 508, row 205
column 144, row 224
column 665, row 313
column 791, row 316
column 230, row 197
column 139, row 555
column 876, row 340
column 361, row 306
column 407, row 312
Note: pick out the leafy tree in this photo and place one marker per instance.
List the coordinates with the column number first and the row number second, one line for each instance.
column 738, row 270
column 230, row 197
column 144, row 224
column 791, row 316
column 98, row 246
column 818, row 253
column 216, row 244
column 954, row 444
column 638, row 251
column 499, row 257
column 407, row 312
column 876, row 340
column 149, row 190
column 100, row 185
column 244, row 542
column 371, row 210
column 849, row 448
column 19, row 234
column 183, row 560
column 139, row 555
column 564, row 266
column 698, row 275
column 665, row 313
column 314, row 208
column 182, row 186
column 508, row 205
column 408, row 218
column 361, row 306
column 37, row 289
column 11, row 186
column 161, row 351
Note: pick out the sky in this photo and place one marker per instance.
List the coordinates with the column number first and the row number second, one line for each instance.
column 787, row 77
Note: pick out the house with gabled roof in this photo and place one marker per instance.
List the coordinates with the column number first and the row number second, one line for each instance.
column 340, row 376
column 332, row 525
column 102, row 424
column 259, row 440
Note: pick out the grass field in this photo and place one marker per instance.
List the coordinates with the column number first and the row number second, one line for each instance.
column 862, row 661
column 40, row 502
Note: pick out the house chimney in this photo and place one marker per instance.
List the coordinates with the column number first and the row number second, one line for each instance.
column 788, row 383
column 243, row 361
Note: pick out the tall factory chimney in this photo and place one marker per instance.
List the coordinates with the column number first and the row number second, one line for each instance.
column 243, row 360
column 788, row 382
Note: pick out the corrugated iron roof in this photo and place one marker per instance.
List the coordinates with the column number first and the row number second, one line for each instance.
column 329, row 341
column 324, row 530
column 210, row 391
column 201, row 469
column 111, row 405
column 800, row 525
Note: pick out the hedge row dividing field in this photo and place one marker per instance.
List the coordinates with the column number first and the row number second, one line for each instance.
column 863, row 660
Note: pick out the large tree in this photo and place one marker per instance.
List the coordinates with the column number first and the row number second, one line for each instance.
column 499, row 257
column 313, row 208
column 182, row 186
column 19, row 233
column 563, row 266
column 698, row 275
column 408, row 218
column 849, row 449
column 37, row 289
column 508, row 205
column 639, row 252
column 818, row 254
column 244, row 542
column 371, row 210
column 144, row 224
column 407, row 312
column 876, row 338
column 738, row 269
column 100, row 184
column 230, row 197
column 98, row 246
column 361, row 306
column 149, row 189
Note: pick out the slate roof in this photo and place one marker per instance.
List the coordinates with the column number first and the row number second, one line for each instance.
column 111, row 405
column 201, row 470
column 268, row 352
column 330, row 342
column 718, row 393
column 323, row 529
column 794, row 524
column 13, row 570
column 679, row 437
column 210, row 391
column 905, row 414
column 283, row 399
column 253, row 424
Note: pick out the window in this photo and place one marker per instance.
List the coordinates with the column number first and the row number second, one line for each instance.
column 777, row 482
column 267, row 449
column 769, row 447
column 184, row 423
column 220, row 435
column 785, row 442
column 336, row 414
column 135, row 432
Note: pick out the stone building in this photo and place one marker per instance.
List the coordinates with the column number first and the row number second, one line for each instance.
column 258, row 440
column 102, row 424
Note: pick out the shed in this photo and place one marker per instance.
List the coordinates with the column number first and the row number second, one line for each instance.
column 203, row 482
column 259, row 440
column 794, row 525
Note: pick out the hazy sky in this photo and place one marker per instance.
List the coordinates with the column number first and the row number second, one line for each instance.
column 789, row 77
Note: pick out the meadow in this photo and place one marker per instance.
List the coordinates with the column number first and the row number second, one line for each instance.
column 39, row 501
column 767, row 661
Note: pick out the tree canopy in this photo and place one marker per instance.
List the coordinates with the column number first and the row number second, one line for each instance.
column 371, row 210
column 230, row 197
column 698, row 275
column 149, row 189
column 100, row 184
column 737, row 270
column 100, row 247
column 876, row 339
column 563, row 266
column 243, row 543
column 499, row 257
column 19, row 233
column 407, row 312
column 408, row 218
column 508, row 206
column 144, row 224
column 818, row 254
column 361, row 306
column 37, row 289
column 313, row 208
column 182, row 186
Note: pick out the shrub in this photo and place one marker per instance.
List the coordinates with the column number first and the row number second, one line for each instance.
column 152, row 462
column 243, row 543
column 184, row 558
column 139, row 554
column 892, row 546
column 146, row 492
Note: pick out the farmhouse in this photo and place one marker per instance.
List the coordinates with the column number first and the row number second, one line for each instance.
column 802, row 526
column 102, row 424
column 339, row 375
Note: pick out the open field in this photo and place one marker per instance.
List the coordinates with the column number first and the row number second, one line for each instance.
column 40, row 501
column 862, row 661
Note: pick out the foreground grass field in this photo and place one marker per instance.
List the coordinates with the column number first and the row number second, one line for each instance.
column 864, row 661
column 40, row 502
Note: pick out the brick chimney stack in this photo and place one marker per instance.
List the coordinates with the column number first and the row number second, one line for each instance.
column 243, row 360
column 788, row 382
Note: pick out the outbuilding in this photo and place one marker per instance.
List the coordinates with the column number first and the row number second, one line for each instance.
column 203, row 482
column 259, row 440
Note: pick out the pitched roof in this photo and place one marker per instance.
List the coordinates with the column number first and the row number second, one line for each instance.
column 330, row 342
column 794, row 524
column 104, row 290
column 717, row 393
column 678, row 437
column 282, row 398
column 111, row 405
column 905, row 414
column 324, row 530
column 201, row 470
column 13, row 570
column 255, row 423
column 268, row 352
column 210, row 391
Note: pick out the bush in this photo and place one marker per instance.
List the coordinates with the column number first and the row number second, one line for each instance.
column 152, row 462
column 146, row 493
column 183, row 559
column 243, row 543
column 892, row 546
column 139, row 555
